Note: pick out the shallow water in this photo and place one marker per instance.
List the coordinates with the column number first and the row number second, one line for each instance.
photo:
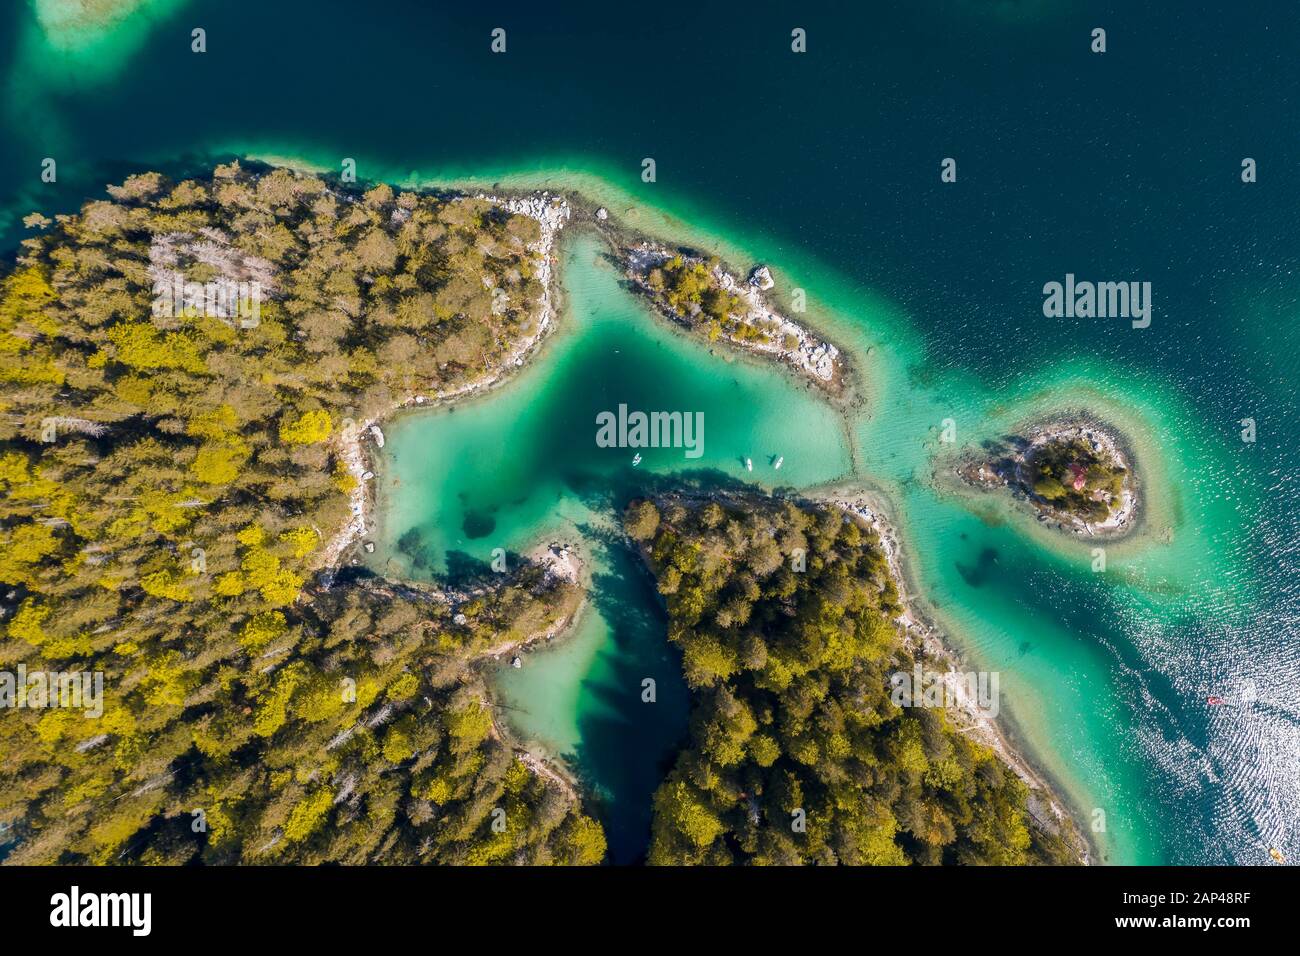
column 1123, row 166
column 522, row 463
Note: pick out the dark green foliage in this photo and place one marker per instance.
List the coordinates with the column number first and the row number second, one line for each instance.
column 690, row 289
column 793, row 718
column 1074, row 479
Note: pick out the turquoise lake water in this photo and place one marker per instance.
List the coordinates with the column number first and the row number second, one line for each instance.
column 494, row 472
column 825, row 165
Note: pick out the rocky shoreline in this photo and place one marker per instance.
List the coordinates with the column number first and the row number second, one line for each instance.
column 782, row 339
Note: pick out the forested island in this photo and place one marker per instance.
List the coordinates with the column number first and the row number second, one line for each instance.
column 785, row 614
column 171, row 477
column 1074, row 473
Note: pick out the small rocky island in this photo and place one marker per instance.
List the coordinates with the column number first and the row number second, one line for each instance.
column 704, row 296
column 1074, row 473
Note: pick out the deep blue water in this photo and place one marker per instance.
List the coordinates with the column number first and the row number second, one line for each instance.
column 1119, row 165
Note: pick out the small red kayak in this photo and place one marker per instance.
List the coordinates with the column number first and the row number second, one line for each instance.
column 1215, row 701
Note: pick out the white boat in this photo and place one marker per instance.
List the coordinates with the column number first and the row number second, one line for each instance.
column 779, row 462
column 636, row 460
column 749, row 464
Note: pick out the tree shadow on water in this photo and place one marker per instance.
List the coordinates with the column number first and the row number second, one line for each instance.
column 628, row 743
column 414, row 546
column 612, row 492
